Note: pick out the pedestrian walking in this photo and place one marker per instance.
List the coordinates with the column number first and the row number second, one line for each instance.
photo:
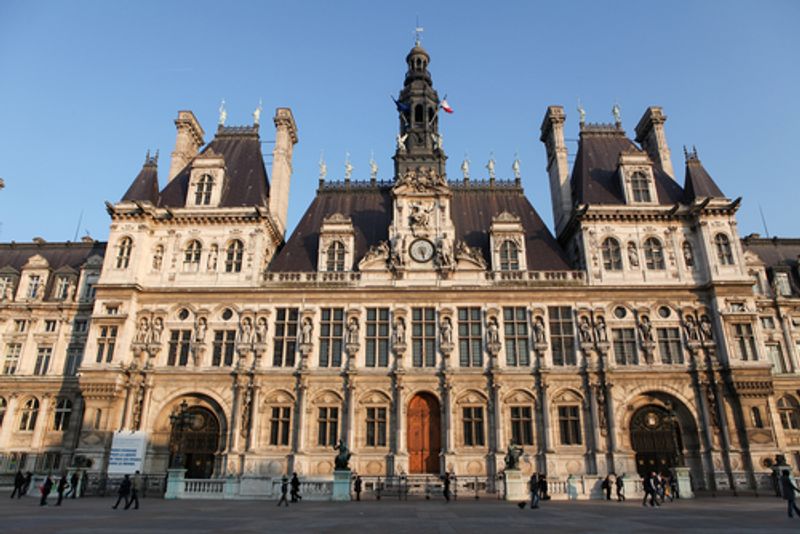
column 606, row 486
column 620, row 483
column 673, row 488
column 73, row 485
column 284, row 490
column 649, row 485
column 787, row 490
column 46, row 488
column 124, row 491
column 533, row 486
column 446, row 490
column 61, row 488
column 296, row 497
column 136, row 488
column 543, row 488
column 84, row 483
column 19, row 483
column 661, row 487
column 27, row 485
column 357, row 487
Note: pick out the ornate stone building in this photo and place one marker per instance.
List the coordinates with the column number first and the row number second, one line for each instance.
column 427, row 321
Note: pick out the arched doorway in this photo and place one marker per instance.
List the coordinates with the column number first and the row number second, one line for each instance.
column 656, row 439
column 194, row 440
column 424, row 434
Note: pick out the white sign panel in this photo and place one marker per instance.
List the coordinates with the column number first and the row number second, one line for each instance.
column 127, row 452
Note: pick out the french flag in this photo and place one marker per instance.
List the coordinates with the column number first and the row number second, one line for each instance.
column 445, row 106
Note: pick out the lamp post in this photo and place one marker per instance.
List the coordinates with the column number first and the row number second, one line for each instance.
column 180, row 420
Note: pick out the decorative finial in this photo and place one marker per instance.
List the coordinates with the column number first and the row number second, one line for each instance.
column 418, row 34
column 373, row 168
column 617, row 114
column 323, row 168
column 581, row 113
column 155, row 159
column 685, row 153
column 490, row 167
column 223, row 115
column 348, row 167
column 257, row 114
column 694, row 152
column 465, row 167
column 147, row 157
column 515, row 168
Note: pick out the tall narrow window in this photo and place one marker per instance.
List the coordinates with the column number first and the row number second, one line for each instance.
column 124, row 252
column 179, row 346
column 470, row 337
column 328, row 430
column 654, row 254
column 423, row 337
column 191, row 257
column 6, row 288
column 515, row 329
column 640, row 187
column 11, row 362
column 285, row 337
column 62, row 414
column 724, row 252
column 335, row 257
column 789, row 411
column 625, row 346
column 669, row 345
column 106, row 342
column 233, row 257
column 569, row 424
column 377, row 338
column 62, row 287
column 202, row 192
column 331, row 331
column 744, row 341
column 776, row 357
column 376, row 427
column 509, row 256
column 34, row 286
column 73, row 361
column 562, row 335
column 755, row 415
column 522, row 425
column 612, row 255
column 43, row 355
column 279, row 426
column 224, row 342
column 30, row 412
column 472, row 417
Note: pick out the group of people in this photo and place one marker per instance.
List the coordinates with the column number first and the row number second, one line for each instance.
column 64, row 486
column 537, row 486
column 658, row 488
column 613, row 481
column 129, row 490
column 295, row 493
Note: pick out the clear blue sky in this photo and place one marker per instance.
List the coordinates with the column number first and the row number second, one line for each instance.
column 87, row 87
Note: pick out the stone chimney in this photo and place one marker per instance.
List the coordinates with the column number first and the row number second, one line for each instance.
column 557, row 167
column 281, row 174
column 188, row 141
column 650, row 134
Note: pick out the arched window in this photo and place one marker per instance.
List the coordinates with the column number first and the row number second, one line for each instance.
column 640, row 187
column 62, row 414
column 612, row 255
column 756, row 416
column 688, row 255
column 335, row 256
column 158, row 257
column 654, row 254
column 724, row 252
column 3, row 408
column 124, row 252
column 202, row 192
column 30, row 412
column 509, row 256
column 191, row 258
column 419, row 114
column 789, row 411
column 233, row 257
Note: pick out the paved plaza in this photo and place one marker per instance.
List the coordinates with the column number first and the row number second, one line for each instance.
column 486, row 516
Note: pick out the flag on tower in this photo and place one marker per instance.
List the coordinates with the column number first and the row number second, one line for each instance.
column 401, row 107
column 445, row 106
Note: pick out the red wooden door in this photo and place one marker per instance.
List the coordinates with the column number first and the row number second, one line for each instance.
column 423, row 434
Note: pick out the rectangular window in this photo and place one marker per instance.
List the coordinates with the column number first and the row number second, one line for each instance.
column 562, row 335
column 50, row 325
column 472, row 417
column 376, row 427
column 331, row 330
column 470, row 337
column 625, row 346
column 73, row 361
column 179, row 346
column 669, row 345
column 569, row 422
column 62, row 287
column 783, row 285
column 328, row 427
column 49, row 461
column 223, row 347
column 377, row 338
column 20, row 326
column 80, row 326
column 43, row 360
column 423, row 337
column 90, row 289
column 768, row 323
column 515, row 328
column 776, row 357
column 6, row 288
column 285, row 337
column 11, row 362
column 280, row 426
column 745, row 342
column 112, row 310
column 106, row 343
column 33, row 285
column 522, row 425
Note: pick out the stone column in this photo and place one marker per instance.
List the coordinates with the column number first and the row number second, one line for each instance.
column 10, row 417
column 298, row 420
column 255, row 418
column 42, row 422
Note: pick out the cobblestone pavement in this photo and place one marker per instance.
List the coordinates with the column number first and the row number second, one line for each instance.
column 91, row 515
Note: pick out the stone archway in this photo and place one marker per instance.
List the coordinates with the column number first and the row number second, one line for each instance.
column 424, row 434
column 195, row 442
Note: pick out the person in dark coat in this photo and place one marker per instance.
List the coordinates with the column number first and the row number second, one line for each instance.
column 649, row 485
column 606, row 485
column 61, row 488
column 73, row 485
column 136, row 489
column 787, row 491
column 27, row 485
column 296, row 497
column 543, row 488
column 84, row 483
column 124, row 491
column 446, row 489
column 357, row 487
column 620, row 483
column 284, row 490
column 533, row 487
column 19, row 483
column 47, row 487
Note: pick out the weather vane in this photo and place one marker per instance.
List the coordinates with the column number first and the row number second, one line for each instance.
column 418, row 33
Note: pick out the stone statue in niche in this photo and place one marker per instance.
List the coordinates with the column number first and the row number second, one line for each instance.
column 399, row 332
column 246, row 331
column 352, row 331
column 493, row 331
column 538, row 330
column 688, row 255
column 306, row 331
column 420, row 216
column 692, row 331
column 261, row 330
column 633, row 255
column 156, row 329
column 445, row 253
column 706, row 328
column 142, row 331
column 585, row 330
column 600, row 330
column 446, row 328
column 200, row 328
column 646, row 328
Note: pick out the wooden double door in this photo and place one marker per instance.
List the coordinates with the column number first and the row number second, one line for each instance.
column 424, row 434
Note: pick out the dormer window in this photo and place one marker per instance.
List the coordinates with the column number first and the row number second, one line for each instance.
column 336, row 244
column 34, row 286
column 233, row 257
column 636, row 177
column 654, row 254
column 62, row 287
column 509, row 256
column 124, row 252
column 612, row 255
column 640, row 187
column 191, row 258
column 782, row 285
column 507, row 242
column 203, row 188
column 724, row 251
column 335, row 256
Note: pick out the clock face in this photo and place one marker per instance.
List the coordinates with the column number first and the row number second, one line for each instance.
column 421, row 250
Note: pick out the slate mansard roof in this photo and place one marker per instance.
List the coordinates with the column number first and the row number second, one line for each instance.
column 778, row 255
column 58, row 255
column 370, row 209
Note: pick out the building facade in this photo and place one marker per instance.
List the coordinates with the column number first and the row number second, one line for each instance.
column 427, row 322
